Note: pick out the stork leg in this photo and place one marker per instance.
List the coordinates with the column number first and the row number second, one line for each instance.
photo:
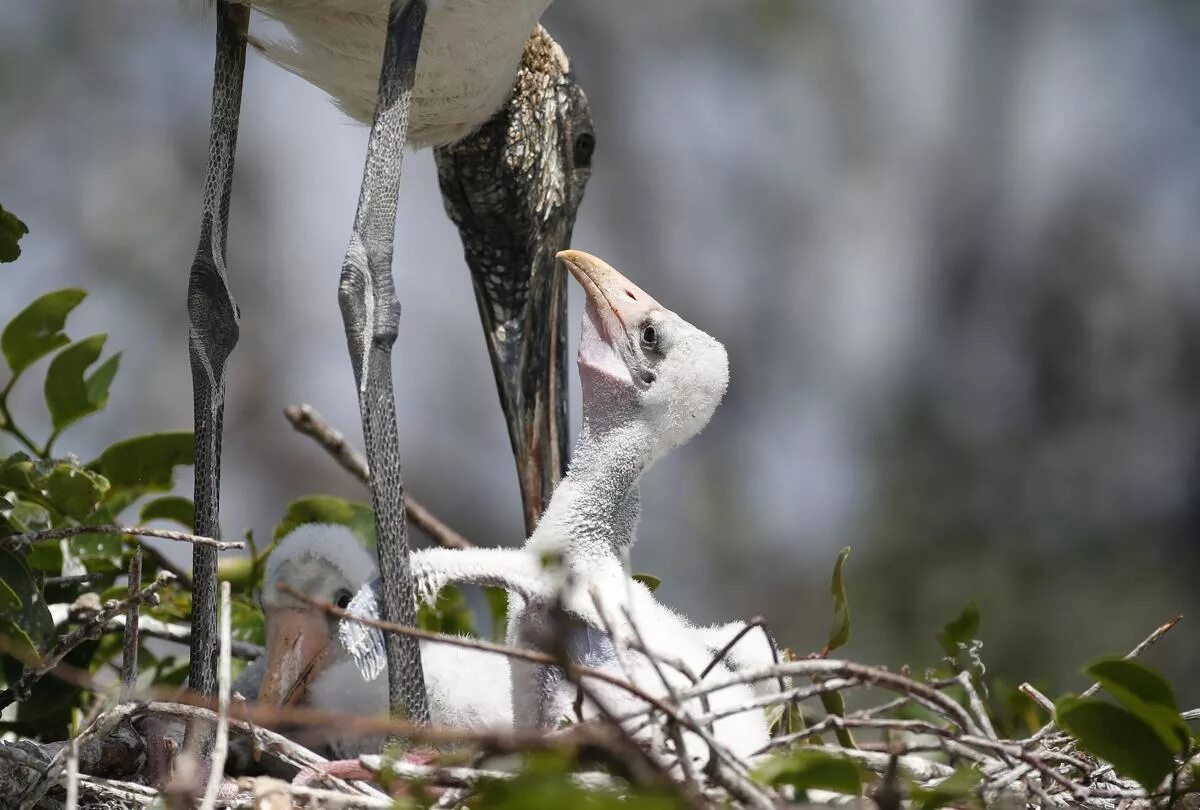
column 213, row 333
column 371, row 314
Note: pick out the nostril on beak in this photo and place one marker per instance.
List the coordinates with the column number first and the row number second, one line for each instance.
column 631, row 295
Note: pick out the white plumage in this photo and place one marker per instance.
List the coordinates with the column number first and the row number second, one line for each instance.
column 470, row 51
column 466, row 688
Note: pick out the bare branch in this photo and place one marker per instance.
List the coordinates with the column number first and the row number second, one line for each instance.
column 310, row 423
column 17, row 540
column 129, row 649
column 519, row 653
column 181, row 634
column 89, row 630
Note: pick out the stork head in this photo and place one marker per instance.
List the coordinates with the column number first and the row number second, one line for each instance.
column 328, row 564
column 638, row 360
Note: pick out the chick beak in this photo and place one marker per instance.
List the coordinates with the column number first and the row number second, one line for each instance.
column 296, row 644
column 614, row 310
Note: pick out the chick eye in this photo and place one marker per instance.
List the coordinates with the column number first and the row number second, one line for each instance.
column 342, row 599
column 649, row 335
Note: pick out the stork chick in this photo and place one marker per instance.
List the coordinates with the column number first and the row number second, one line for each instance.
column 304, row 663
column 650, row 382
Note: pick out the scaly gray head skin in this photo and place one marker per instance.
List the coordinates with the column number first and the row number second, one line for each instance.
column 302, row 639
column 513, row 189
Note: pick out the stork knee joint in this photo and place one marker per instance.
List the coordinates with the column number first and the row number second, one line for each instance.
column 212, row 311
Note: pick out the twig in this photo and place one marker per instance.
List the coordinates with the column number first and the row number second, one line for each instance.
column 917, row 767
column 1029, row 691
column 981, row 714
column 182, row 634
column 89, row 630
column 66, row 582
column 264, row 787
column 532, row 656
column 28, row 538
column 869, row 676
column 216, row 771
column 472, row 777
column 310, row 423
column 104, row 723
column 129, row 649
column 1158, row 633
column 73, row 774
column 162, row 562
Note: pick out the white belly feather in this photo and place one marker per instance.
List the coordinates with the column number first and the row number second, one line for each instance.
column 470, row 51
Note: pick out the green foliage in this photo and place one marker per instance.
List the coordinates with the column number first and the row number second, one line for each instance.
column 1118, row 736
column 37, row 330
column 328, row 509
column 450, row 614
column 70, row 393
column 546, row 784
column 11, row 231
column 807, row 769
column 170, row 507
column 41, row 489
column 1146, row 693
column 960, row 632
column 958, row 789
column 651, row 582
column 1142, row 734
column 840, row 633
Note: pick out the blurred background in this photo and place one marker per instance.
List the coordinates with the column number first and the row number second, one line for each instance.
column 951, row 246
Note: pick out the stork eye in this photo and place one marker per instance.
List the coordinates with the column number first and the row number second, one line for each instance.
column 342, row 599
column 585, row 144
column 650, row 336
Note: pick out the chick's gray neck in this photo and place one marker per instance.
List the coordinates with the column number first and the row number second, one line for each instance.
column 594, row 512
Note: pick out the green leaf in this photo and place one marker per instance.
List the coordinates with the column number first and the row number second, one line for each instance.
column 806, row 769
column 46, row 556
column 171, row 507
column 1146, row 693
column 246, row 621
column 955, row 788
column 98, row 552
column 960, row 631
column 29, row 612
column 145, row 463
column 11, row 231
column 450, row 614
column 497, row 599
column 649, row 580
column 840, row 633
column 1118, row 736
column 28, row 517
column 70, row 396
column 37, row 330
column 74, row 490
column 328, row 509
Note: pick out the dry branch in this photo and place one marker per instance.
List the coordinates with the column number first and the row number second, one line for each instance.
column 310, row 423
column 18, row 540
column 91, row 629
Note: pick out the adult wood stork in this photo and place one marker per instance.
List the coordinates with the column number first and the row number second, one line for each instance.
column 437, row 71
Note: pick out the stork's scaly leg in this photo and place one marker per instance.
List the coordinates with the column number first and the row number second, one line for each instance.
column 371, row 314
column 213, row 333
